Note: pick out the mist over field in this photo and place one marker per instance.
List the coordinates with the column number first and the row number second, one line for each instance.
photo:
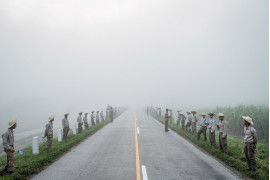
column 71, row 56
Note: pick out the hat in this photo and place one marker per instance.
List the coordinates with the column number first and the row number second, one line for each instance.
column 211, row 113
column 203, row 114
column 80, row 112
column 193, row 111
column 92, row 111
column 220, row 114
column 51, row 118
column 11, row 123
column 181, row 113
column 248, row 119
column 85, row 113
column 66, row 114
column 188, row 112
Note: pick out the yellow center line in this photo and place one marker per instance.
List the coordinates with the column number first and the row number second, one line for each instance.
column 138, row 169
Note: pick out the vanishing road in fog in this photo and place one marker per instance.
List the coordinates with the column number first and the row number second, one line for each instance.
column 110, row 154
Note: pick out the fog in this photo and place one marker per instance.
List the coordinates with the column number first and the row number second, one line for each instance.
column 70, row 56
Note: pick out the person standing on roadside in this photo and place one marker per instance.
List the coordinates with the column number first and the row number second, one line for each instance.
column 223, row 128
column 166, row 117
column 250, row 140
column 85, row 121
column 194, row 122
column 183, row 120
column 97, row 117
column 212, row 128
column 80, row 122
column 101, row 116
column 92, row 118
column 111, row 114
column 8, row 144
column 189, row 121
column 204, row 123
column 49, row 132
column 65, row 124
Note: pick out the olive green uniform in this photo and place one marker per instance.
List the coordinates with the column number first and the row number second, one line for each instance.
column 8, row 144
column 223, row 129
column 250, row 140
column 166, row 117
column 49, row 134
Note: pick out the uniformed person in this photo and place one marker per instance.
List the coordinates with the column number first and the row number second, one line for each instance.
column 101, row 116
column 65, row 124
column 250, row 140
column 223, row 128
column 194, row 122
column 203, row 123
column 49, row 133
column 183, row 120
column 80, row 122
column 92, row 118
column 85, row 121
column 8, row 144
column 189, row 117
column 97, row 117
column 111, row 114
column 166, row 117
column 212, row 128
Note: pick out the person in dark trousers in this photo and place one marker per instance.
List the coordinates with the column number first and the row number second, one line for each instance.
column 204, row 123
column 250, row 140
column 166, row 117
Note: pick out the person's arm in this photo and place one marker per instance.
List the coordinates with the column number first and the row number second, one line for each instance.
column 255, row 137
column 4, row 141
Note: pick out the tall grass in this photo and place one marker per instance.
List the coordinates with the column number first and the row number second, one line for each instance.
column 235, row 157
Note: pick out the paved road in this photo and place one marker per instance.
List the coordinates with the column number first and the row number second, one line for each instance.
column 110, row 154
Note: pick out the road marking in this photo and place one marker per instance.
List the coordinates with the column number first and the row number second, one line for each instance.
column 144, row 173
column 138, row 130
column 138, row 170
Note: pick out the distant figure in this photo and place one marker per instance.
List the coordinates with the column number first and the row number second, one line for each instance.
column 49, row 132
column 111, row 114
column 65, row 125
column 101, row 116
column 223, row 128
column 80, row 122
column 92, row 118
column 8, row 144
column 159, row 112
column 183, row 120
column 189, row 117
column 212, row 128
column 203, row 123
column 194, row 122
column 178, row 118
column 85, row 121
column 166, row 117
column 97, row 117
column 250, row 140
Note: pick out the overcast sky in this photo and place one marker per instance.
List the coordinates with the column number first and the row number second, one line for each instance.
column 79, row 55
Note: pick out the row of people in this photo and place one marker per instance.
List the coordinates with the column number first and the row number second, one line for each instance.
column 250, row 134
column 8, row 136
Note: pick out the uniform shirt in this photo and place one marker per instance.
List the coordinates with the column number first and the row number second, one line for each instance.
column 212, row 124
column 101, row 114
column 204, row 122
column 48, row 129
column 223, row 127
column 97, row 116
column 92, row 116
column 65, row 123
column 194, row 118
column 85, row 119
column 8, row 139
column 189, row 118
column 166, row 116
column 79, row 119
column 250, row 135
column 182, row 117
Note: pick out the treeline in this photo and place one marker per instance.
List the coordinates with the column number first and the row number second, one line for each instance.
column 259, row 115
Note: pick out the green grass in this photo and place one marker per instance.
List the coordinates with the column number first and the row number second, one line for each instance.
column 29, row 164
column 235, row 157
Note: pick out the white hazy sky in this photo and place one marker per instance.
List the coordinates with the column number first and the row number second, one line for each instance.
column 67, row 55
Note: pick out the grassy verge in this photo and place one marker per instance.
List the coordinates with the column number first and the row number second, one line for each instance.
column 29, row 164
column 236, row 157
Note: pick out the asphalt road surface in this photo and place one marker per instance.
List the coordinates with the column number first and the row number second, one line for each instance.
column 111, row 154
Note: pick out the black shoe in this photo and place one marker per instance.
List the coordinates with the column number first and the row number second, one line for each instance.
column 10, row 172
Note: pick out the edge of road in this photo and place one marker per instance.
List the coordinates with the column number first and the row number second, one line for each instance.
column 54, row 157
column 235, row 172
